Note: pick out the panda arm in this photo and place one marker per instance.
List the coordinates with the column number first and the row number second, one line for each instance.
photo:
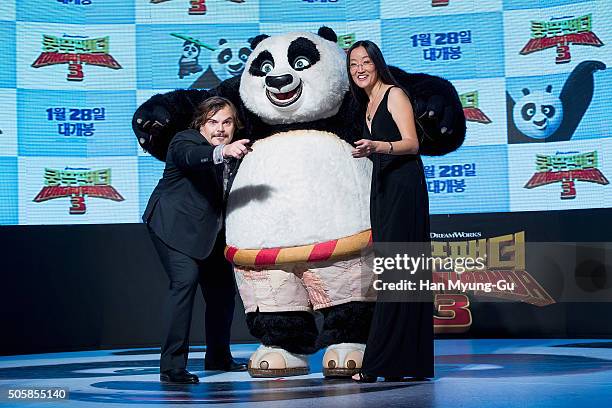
column 576, row 97
column 348, row 122
column 157, row 120
column 445, row 131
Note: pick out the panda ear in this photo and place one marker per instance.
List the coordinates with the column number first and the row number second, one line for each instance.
column 222, row 41
column 526, row 91
column 256, row 40
column 328, row 34
column 549, row 89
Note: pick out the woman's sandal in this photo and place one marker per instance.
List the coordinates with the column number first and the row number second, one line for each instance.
column 364, row 378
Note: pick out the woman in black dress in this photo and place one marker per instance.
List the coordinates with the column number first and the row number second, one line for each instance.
column 400, row 342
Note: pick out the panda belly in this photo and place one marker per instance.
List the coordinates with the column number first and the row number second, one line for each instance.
column 298, row 188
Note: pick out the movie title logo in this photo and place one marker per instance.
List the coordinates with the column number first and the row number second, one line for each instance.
column 77, row 183
column 196, row 7
column 71, row 120
column 504, row 262
column 75, row 51
column 449, row 179
column 345, row 41
column 444, row 46
column 472, row 112
column 76, row 2
column 567, row 168
column 560, row 33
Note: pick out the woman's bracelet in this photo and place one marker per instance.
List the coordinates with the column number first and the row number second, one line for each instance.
column 390, row 148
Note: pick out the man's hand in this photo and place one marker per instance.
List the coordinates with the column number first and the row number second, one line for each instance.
column 237, row 149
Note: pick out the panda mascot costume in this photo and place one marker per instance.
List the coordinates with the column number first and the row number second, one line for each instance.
column 297, row 222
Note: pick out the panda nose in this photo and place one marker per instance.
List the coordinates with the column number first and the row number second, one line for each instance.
column 278, row 81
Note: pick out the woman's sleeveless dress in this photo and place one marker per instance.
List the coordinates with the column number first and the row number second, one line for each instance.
column 400, row 342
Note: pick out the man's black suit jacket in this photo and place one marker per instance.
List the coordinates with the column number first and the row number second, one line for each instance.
column 186, row 208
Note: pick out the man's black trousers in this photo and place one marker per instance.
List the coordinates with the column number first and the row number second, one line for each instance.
column 216, row 279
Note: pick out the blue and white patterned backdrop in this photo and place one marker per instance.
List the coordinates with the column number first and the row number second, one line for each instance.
column 74, row 71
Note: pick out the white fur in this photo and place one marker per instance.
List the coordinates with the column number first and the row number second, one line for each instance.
column 324, row 83
column 298, row 188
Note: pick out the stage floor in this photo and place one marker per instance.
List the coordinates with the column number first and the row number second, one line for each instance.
column 491, row 373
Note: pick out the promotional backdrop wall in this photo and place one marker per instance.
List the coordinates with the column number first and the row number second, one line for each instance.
column 74, row 71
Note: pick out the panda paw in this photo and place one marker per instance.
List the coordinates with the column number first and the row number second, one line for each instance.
column 151, row 123
column 436, row 110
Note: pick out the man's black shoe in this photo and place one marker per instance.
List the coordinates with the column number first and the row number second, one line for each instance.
column 178, row 376
column 231, row 365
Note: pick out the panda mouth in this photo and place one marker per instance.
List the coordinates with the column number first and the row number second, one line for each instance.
column 235, row 71
column 285, row 98
column 541, row 124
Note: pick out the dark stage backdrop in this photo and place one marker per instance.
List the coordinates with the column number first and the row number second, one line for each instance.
column 75, row 287
column 70, row 287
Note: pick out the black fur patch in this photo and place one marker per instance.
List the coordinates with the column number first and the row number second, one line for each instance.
column 346, row 323
column 255, row 68
column 302, row 47
column 256, row 40
column 328, row 34
column 296, row 332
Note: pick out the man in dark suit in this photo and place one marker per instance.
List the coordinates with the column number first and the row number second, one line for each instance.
column 185, row 220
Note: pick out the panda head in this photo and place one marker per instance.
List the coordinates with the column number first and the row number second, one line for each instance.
column 191, row 50
column 229, row 58
column 538, row 114
column 294, row 78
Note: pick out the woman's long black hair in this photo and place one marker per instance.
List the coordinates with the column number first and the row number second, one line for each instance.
column 379, row 63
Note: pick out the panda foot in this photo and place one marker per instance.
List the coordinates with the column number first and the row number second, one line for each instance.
column 269, row 362
column 343, row 360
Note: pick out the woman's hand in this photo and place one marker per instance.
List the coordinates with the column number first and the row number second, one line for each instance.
column 364, row 148
column 237, row 149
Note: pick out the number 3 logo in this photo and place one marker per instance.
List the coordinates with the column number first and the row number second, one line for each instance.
column 78, row 205
column 452, row 314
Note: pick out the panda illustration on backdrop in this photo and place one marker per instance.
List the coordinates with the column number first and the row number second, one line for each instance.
column 188, row 62
column 297, row 223
column 542, row 116
column 227, row 61
column 230, row 58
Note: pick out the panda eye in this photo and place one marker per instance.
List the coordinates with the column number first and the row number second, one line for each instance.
column 528, row 111
column 301, row 63
column 225, row 56
column 267, row 67
column 244, row 53
column 548, row 110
